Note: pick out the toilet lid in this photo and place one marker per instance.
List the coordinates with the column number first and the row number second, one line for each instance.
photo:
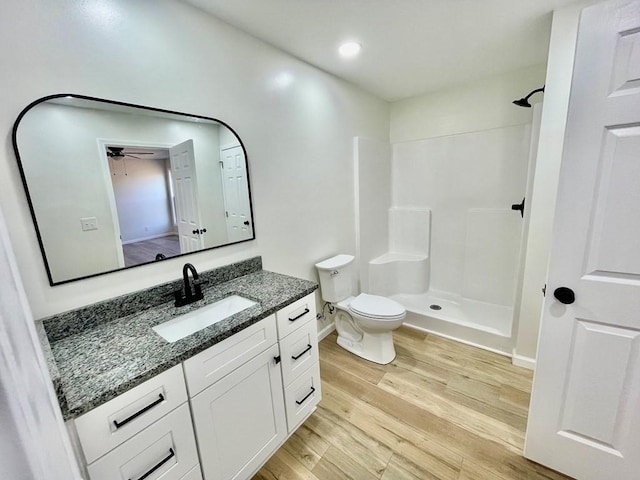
column 376, row 307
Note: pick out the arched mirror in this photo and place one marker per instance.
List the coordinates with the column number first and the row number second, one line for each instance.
column 113, row 185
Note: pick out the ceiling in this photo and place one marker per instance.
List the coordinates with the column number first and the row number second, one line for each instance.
column 409, row 47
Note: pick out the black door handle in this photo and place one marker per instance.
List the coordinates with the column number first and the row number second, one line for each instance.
column 519, row 206
column 564, row 295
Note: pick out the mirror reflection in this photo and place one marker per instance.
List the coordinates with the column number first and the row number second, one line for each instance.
column 113, row 185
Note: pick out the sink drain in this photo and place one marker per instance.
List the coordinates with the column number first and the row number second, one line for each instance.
column 435, row 307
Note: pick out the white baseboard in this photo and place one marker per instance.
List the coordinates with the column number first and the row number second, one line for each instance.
column 152, row 237
column 524, row 362
column 326, row 331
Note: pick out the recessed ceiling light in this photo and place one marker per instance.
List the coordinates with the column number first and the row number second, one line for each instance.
column 350, row 49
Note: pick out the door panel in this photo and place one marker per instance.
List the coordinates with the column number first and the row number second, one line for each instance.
column 183, row 174
column 584, row 418
column 236, row 194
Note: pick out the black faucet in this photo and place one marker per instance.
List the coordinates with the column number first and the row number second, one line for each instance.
column 189, row 295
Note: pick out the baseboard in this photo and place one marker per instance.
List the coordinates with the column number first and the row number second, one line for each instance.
column 524, row 362
column 152, row 237
column 326, row 331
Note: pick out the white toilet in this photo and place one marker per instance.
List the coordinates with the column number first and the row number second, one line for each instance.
column 364, row 323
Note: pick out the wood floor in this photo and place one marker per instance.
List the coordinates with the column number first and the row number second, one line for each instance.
column 440, row 410
column 146, row 251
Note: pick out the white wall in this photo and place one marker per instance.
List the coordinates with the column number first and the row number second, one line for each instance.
column 476, row 106
column 298, row 133
column 142, row 197
column 372, row 188
column 552, row 129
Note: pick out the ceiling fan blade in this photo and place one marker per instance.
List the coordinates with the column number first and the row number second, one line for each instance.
column 132, row 156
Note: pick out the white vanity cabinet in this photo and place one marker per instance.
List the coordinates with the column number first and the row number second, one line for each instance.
column 229, row 407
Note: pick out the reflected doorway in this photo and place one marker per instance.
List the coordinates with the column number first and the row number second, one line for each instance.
column 144, row 201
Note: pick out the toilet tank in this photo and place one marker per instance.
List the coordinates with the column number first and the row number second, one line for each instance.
column 336, row 277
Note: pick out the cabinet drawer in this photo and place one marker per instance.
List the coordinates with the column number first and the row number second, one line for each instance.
column 165, row 450
column 298, row 351
column 293, row 316
column 208, row 367
column 108, row 425
column 302, row 395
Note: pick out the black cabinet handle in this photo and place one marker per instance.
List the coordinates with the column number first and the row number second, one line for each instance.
column 295, row 357
column 140, row 412
column 162, row 462
column 306, row 310
column 306, row 396
column 276, row 359
column 564, row 295
column 195, row 232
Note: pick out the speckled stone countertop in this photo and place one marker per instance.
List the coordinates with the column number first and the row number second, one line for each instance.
column 101, row 351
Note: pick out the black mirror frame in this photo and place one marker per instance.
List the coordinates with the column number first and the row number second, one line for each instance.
column 14, row 139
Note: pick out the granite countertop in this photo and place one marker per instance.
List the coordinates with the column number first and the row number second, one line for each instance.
column 95, row 355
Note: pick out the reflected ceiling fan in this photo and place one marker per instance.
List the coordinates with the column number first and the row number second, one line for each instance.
column 118, row 153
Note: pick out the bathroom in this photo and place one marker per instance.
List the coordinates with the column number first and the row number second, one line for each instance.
column 298, row 125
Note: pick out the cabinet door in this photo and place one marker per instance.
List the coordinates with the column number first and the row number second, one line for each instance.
column 240, row 420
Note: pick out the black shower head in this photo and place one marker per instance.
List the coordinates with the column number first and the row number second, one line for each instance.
column 524, row 102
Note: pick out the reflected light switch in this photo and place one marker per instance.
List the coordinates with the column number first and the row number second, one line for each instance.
column 89, row 223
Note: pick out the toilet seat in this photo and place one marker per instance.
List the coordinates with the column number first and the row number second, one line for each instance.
column 376, row 307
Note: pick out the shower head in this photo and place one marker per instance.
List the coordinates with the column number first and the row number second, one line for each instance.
column 524, row 102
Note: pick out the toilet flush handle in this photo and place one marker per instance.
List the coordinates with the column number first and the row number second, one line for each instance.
column 334, row 273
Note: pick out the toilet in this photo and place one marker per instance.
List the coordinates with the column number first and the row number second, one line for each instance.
column 365, row 322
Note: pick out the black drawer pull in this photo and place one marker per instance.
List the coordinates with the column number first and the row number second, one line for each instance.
column 306, row 310
column 162, row 462
column 306, row 396
column 295, row 357
column 140, row 412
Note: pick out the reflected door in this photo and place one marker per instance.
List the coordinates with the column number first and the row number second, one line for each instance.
column 183, row 174
column 236, row 194
column 584, row 418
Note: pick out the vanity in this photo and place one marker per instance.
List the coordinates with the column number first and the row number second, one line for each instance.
column 214, row 404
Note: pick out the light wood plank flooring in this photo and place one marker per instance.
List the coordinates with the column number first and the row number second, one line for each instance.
column 146, row 250
column 440, row 410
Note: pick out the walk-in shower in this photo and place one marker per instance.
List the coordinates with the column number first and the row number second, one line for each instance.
column 454, row 236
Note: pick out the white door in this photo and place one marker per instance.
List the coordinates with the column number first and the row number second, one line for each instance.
column 585, row 407
column 185, row 188
column 236, row 194
column 240, row 420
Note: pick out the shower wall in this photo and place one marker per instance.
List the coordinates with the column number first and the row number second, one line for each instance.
column 469, row 182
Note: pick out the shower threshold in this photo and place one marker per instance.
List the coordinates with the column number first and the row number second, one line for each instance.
column 481, row 324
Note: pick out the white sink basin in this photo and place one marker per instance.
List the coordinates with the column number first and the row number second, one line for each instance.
column 180, row 327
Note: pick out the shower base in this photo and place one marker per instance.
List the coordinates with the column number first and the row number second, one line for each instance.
column 480, row 324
